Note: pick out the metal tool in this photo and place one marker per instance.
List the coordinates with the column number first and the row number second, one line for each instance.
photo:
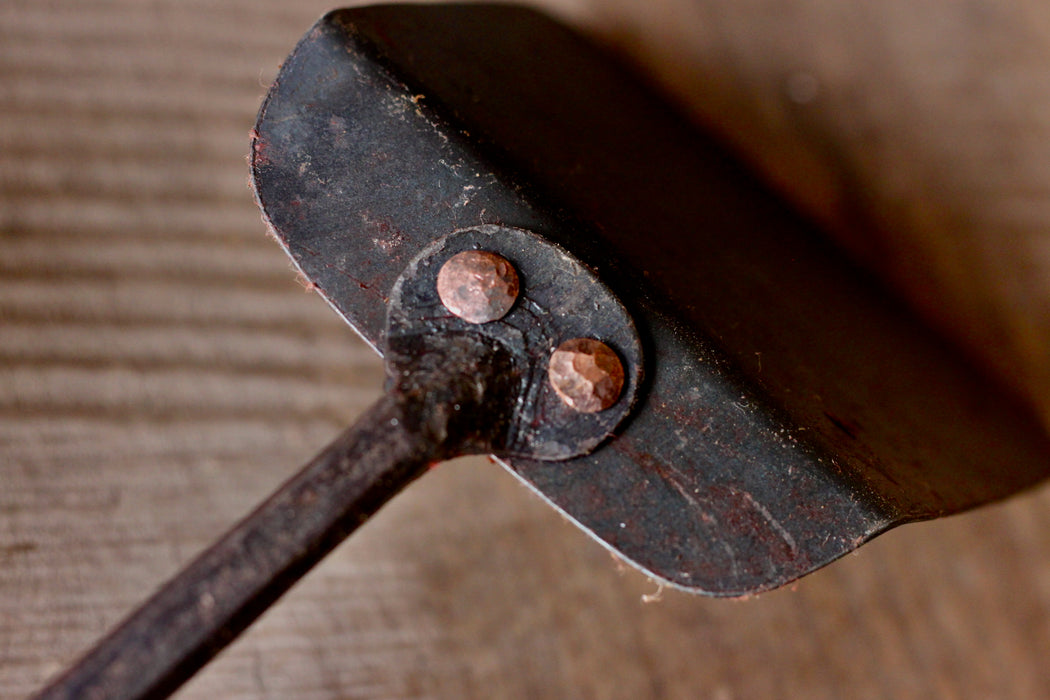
column 635, row 326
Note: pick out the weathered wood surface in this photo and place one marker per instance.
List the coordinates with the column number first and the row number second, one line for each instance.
column 160, row 370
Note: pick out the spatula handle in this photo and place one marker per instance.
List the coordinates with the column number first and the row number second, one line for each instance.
column 207, row 605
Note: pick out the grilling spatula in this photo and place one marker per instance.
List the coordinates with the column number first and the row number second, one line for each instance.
column 561, row 272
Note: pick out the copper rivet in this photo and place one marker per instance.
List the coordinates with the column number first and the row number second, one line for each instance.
column 586, row 374
column 478, row 286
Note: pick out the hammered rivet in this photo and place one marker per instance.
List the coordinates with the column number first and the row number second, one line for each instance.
column 478, row 286
column 586, row 374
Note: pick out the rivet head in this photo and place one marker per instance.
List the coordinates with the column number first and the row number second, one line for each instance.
column 478, row 286
column 586, row 374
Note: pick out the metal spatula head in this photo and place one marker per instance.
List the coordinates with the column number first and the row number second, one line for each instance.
column 791, row 410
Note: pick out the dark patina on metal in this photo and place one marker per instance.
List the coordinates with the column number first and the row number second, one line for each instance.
column 792, row 410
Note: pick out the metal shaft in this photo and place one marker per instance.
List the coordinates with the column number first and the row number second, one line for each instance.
column 201, row 610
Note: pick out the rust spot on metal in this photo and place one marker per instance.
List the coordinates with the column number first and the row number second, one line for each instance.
column 260, row 149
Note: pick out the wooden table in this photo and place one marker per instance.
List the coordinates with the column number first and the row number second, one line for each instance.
column 161, row 370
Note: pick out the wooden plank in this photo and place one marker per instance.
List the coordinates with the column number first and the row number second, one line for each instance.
column 161, row 371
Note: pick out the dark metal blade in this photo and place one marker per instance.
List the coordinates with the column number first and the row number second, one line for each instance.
column 793, row 410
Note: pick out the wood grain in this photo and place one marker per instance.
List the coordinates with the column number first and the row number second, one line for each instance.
column 161, row 370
